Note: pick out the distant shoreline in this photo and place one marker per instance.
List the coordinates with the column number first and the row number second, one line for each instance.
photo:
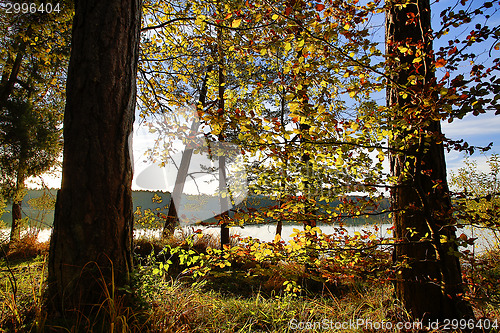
column 203, row 206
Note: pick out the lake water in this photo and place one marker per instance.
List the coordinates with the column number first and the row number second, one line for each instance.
column 485, row 238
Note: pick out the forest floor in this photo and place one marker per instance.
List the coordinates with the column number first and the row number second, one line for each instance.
column 222, row 303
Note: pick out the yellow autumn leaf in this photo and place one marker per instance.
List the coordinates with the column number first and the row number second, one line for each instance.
column 294, row 106
column 236, row 23
column 199, row 19
column 402, row 49
column 381, row 156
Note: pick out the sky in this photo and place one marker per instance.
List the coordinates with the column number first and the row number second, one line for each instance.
column 477, row 131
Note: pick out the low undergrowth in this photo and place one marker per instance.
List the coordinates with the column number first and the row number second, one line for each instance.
column 187, row 284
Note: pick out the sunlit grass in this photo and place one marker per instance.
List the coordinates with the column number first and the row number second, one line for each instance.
column 177, row 307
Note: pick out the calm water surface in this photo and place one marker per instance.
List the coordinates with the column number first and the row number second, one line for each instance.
column 485, row 238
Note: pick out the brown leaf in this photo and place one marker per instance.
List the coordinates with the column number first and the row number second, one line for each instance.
column 320, row 7
column 440, row 62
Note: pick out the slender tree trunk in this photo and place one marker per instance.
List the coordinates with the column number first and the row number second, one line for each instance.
column 308, row 213
column 172, row 215
column 429, row 283
column 302, row 96
column 307, row 167
column 279, row 225
column 224, row 202
column 15, row 230
column 223, row 199
column 90, row 250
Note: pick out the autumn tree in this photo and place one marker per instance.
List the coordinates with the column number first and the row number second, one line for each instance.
column 314, row 152
column 319, row 63
column 91, row 244
column 429, row 281
column 34, row 51
column 167, row 80
column 193, row 59
column 416, row 103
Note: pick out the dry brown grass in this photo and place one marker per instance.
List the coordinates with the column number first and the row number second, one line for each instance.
column 27, row 247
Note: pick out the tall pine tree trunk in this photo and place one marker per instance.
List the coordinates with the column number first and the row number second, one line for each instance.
column 429, row 282
column 90, row 248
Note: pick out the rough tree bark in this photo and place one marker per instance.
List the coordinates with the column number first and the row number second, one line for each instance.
column 430, row 287
column 91, row 242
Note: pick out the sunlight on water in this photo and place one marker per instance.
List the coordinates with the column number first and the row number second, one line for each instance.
column 485, row 238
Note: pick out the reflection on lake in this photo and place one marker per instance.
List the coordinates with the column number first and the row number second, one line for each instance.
column 485, row 238
column 266, row 232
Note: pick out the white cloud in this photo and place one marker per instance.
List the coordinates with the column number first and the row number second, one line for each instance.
column 479, row 131
column 470, row 125
column 456, row 160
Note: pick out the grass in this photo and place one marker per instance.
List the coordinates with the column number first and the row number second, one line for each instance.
column 181, row 308
column 224, row 303
column 21, row 288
